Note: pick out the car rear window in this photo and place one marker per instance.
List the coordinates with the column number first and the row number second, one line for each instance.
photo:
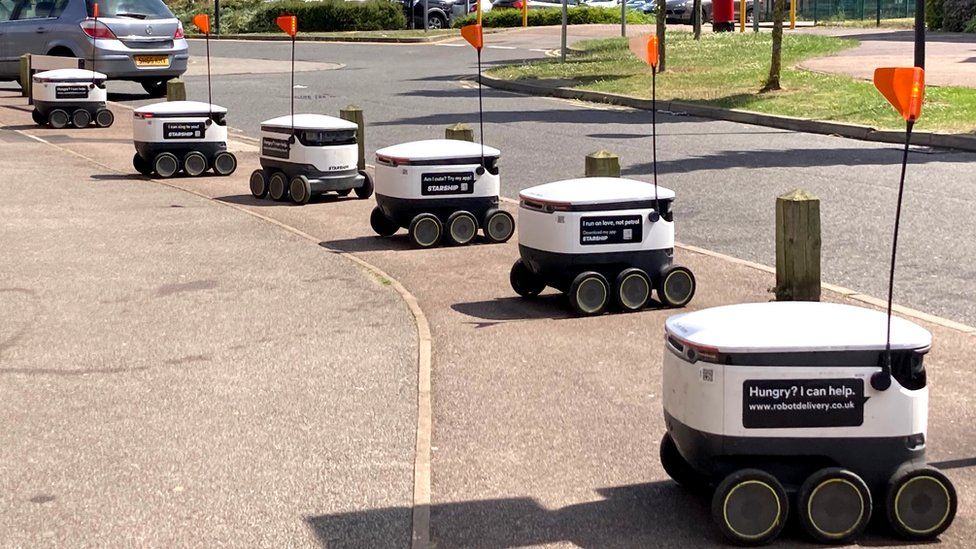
column 136, row 9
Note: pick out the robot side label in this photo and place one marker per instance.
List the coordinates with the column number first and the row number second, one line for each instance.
column 71, row 92
column 275, row 148
column 611, row 229
column 432, row 184
column 184, row 130
column 802, row 403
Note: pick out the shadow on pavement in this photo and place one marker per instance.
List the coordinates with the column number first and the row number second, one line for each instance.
column 551, row 306
column 118, row 177
column 370, row 243
column 249, row 200
column 643, row 515
column 795, row 158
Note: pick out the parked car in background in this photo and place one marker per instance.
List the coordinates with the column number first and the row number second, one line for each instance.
column 533, row 4
column 138, row 40
column 440, row 13
column 681, row 11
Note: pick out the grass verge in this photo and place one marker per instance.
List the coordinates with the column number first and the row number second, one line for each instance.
column 728, row 69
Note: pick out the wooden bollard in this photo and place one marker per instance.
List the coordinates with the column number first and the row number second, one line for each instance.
column 459, row 131
column 602, row 164
column 176, row 90
column 25, row 75
column 353, row 113
column 798, row 247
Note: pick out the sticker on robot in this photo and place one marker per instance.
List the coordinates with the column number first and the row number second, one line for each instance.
column 71, row 92
column 433, row 184
column 184, row 130
column 275, row 148
column 802, row 403
column 611, row 229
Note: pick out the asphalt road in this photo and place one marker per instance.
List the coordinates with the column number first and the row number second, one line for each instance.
column 726, row 175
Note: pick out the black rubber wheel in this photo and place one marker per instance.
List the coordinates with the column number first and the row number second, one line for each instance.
column 462, row 227
column 166, row 164
column 278, row 186
column 141, row 165
column 225, row 163
column 834, row 505
column 343, row 192
column 382, row 225
column 155, row 88
column 435, row 21
column 589, row 293
column 499, row 226
column 426, row 230
column 38, row 118
column 366, row 189
column 750, row 507
column 194, row 163
column 678, row 468
column 632, row 289
column 81, row 118
column 258, row 184
column 921, row 502
column 525, row 283
column 300, row 189
column 104, row 118
column 58, row 118
column 676, row 286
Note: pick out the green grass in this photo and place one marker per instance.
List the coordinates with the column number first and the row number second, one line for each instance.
column 900, row 23
column 728, row 70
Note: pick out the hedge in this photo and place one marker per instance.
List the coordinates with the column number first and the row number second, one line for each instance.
column 553, row 16
column 332, row 16
column 242, row 16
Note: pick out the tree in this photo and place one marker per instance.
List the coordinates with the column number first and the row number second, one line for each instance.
column 772, row 83
column 661, row 12
column 696, row 18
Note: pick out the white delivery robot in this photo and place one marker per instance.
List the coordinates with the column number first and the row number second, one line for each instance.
column 600, row 240
column 773, row 400
column 181, row 135
column 427, row 186
column 70, row 96
column 309, row 154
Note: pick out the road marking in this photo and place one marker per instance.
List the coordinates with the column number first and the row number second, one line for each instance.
column 540, row 50
column 420, row 529
column 501, row 47
column 452, row 45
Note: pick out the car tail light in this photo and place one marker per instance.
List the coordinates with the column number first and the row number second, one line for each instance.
column 179, row 32
column 517, row 5
column 95, row 29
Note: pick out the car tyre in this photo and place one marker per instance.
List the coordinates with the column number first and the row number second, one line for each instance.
column 155, row 88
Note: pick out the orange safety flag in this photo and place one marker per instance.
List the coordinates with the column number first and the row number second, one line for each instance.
column 474, row 36
column 202, row 22
column 645, row 47
column 289, row 24
column 904, row 88
column 95, row 10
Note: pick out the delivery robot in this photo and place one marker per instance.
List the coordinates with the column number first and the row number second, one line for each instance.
column 187, row 136
column 70, row 96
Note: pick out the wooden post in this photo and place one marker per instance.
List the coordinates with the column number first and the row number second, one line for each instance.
column 459, row 131
column 176, row 90
column 798, row 247
column 25, row 75
column 602, row 164
column 353, row 113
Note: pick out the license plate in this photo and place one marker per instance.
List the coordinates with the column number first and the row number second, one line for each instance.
column 152, row 60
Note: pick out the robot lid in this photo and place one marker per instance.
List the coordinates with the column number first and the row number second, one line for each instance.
column 69, row 75
column 308, row 122
column 433, row 151
column 794, row 327
column 173, row 109
column 596, row 193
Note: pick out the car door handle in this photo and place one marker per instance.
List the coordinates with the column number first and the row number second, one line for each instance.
column 40, row 30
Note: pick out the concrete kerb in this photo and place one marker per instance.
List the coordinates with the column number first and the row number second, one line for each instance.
column 420, row 529
column 853, row 131
column 314, row 38
column 845, row 292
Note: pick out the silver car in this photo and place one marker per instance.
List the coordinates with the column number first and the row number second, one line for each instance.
column 138, row 40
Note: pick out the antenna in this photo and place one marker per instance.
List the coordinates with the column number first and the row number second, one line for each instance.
column 202, row 22
column 94, row 39
column 474, row 35
column 289, row 24
column 646, row 48
column 904, row 88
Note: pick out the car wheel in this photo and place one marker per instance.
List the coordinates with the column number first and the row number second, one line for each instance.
column 155, row 88
column 435, row 22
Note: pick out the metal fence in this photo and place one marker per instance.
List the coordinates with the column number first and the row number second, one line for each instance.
column 845, row 10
